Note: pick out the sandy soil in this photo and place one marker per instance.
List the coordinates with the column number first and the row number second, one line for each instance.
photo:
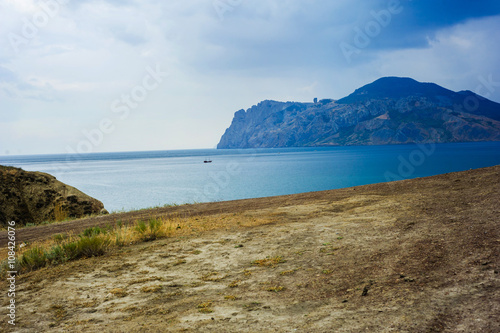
column 412, row 256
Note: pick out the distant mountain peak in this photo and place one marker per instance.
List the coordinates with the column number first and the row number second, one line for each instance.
column 396, row 87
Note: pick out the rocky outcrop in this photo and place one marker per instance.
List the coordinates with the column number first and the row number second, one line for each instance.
column 387, row 111
column 35, row 197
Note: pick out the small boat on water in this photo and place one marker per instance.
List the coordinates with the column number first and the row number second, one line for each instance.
column 207, row 160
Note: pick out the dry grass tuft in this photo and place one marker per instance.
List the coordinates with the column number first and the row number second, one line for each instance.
column 144, row 280
column 60, row 214
column 276, row 289
column 288, row 272
column 151, row 289
column 213, row 277
column 205, row 307
column 269, row 261
column 234, row 284
column 118, row 292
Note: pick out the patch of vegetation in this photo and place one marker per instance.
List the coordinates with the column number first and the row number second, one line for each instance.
column 93, row 246
column 149, row 230
column 33, row 259
column 57, row 255
column 234, row 284
column 144, row 280
column 37, row 257
column 118, row 292
column 213, row 277
column 269, row 261
column 151, row 289
column 60, row 213
column 93, row 231
column 205, row 307
column 59, row 312
column 288, row 272
column 59, row 238
column 276, row 289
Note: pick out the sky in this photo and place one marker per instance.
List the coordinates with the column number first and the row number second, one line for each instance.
column 99, row 76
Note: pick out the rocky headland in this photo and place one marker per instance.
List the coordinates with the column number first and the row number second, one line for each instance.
column 35, row 197
column 390, row 110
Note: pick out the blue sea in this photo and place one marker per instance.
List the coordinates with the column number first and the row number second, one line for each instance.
column 135, row 180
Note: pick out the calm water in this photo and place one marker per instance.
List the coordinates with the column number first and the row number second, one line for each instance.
column 136, row 180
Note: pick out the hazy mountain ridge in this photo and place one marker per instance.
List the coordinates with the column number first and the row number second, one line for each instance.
column 388, row 111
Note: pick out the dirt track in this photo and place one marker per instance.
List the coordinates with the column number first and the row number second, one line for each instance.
column 421, row 255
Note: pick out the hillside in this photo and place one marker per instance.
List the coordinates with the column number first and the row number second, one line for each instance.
column 418, row 255
column 388, row 111
column 36, row 197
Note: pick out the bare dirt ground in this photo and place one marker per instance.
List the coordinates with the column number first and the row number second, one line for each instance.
column 413, row 256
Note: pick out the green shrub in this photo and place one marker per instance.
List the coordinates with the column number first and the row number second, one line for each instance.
column 154, row 226
column 71, row 250
column 57, row 255
column 93, row 246
column 59, row 238
column 141, row 227
column 33, row 259
column 93, row 231
column 149, row 231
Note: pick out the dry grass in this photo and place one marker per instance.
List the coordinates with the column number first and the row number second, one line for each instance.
column 205, row 307
column 151, row 289
column 144, row 280
column 234, row 284
column 59, row 213
column 276, row 289
column 118, row 292
column 269, row 262
column 213, row 277
column 289, row 272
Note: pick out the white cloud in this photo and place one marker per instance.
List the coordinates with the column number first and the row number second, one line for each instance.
column 456, row 58
column 92, row 52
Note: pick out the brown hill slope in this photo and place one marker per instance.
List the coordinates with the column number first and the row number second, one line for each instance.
column 413, row 256
column 35, row 197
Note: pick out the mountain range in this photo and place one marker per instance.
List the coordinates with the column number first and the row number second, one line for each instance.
column 390, row 110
